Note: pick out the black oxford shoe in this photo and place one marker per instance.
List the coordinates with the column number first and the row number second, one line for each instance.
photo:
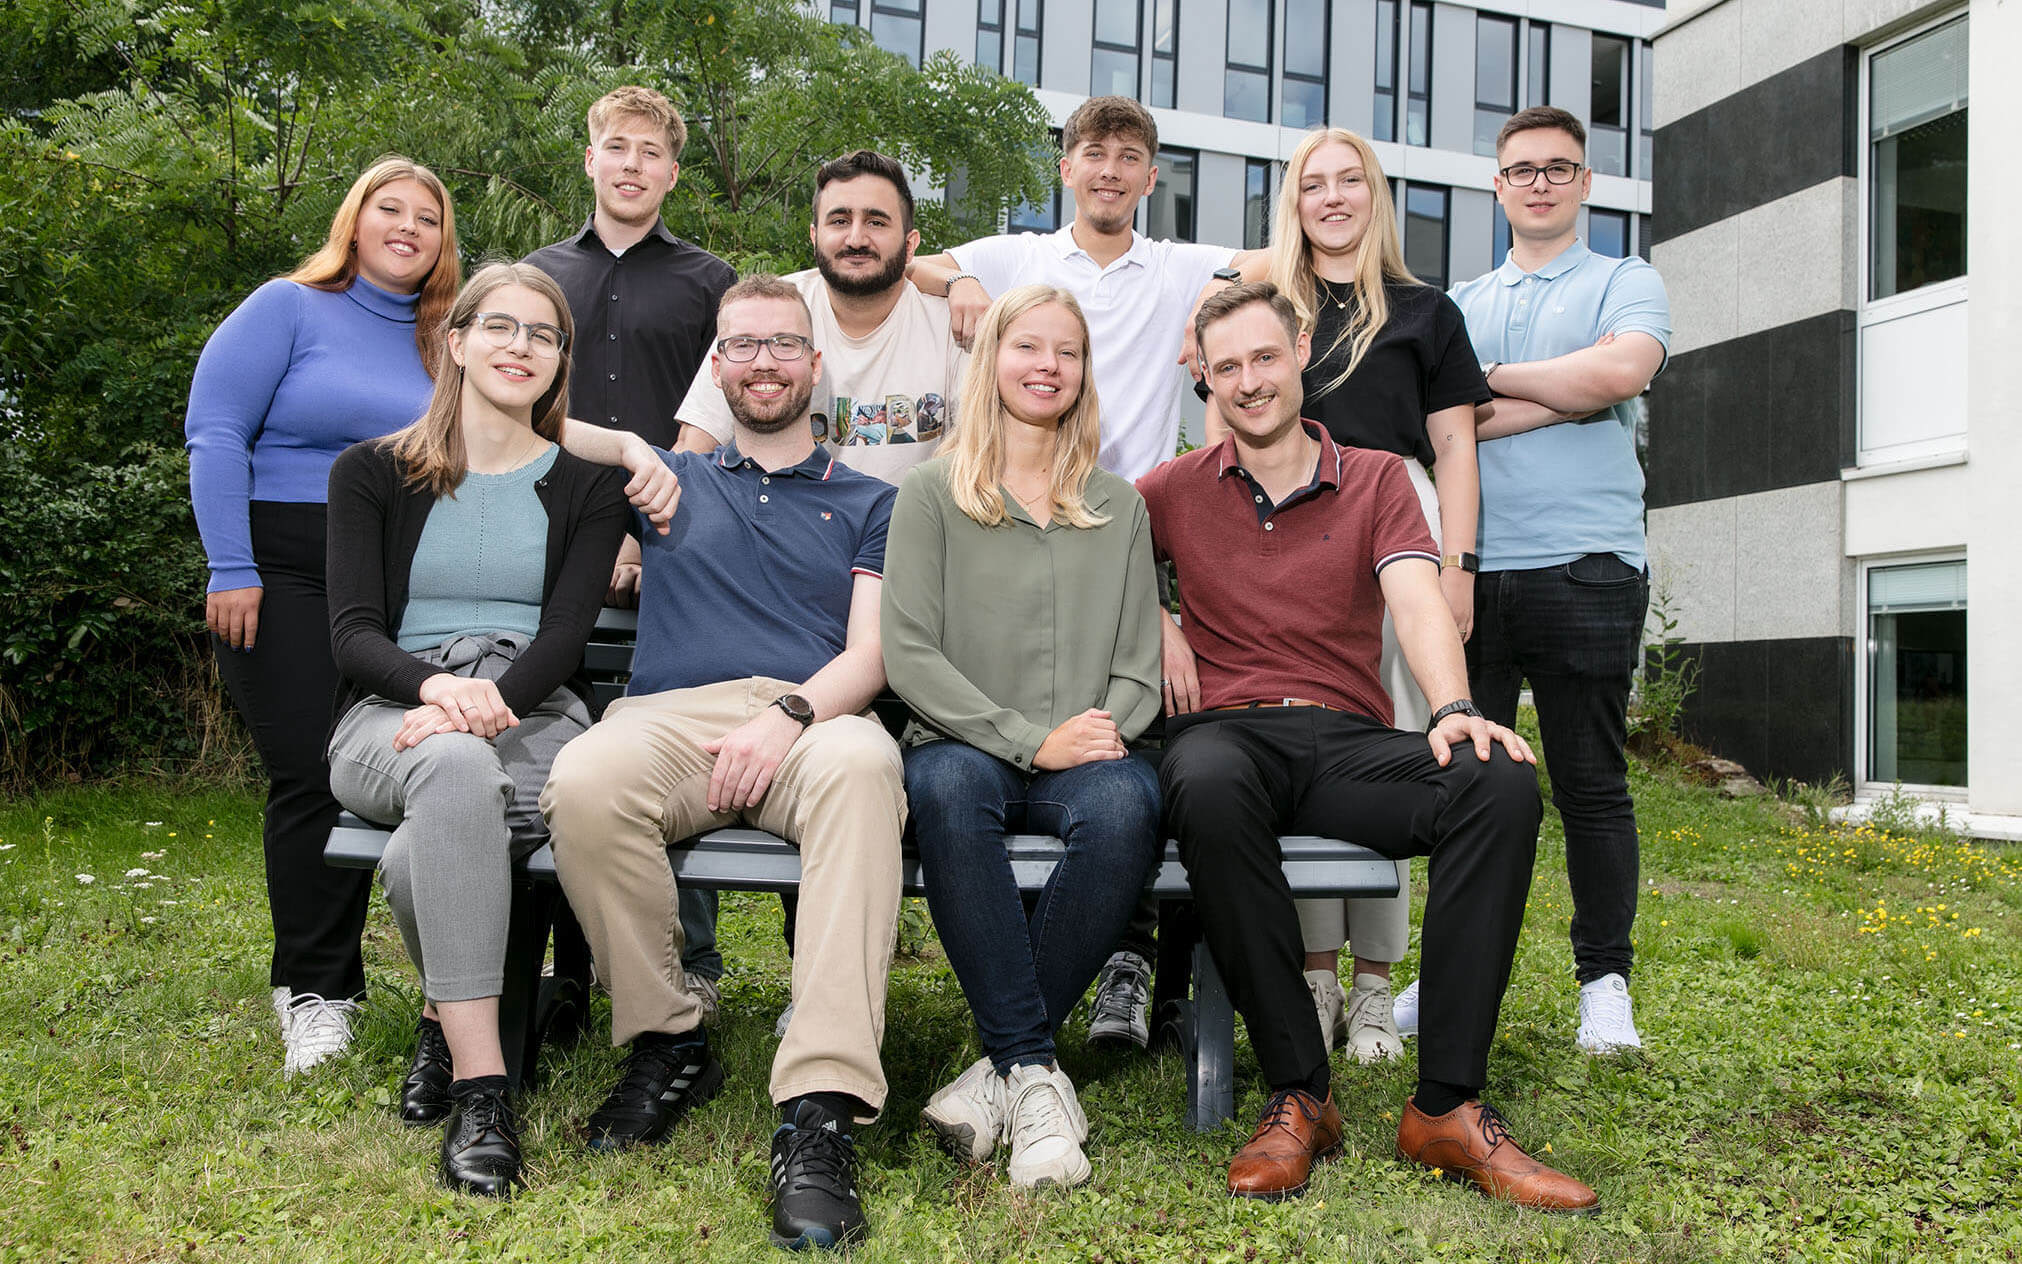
column 424, row 1094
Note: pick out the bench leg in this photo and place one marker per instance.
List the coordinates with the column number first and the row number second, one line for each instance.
column 1211, row 1054
column 533, row 911
column 563, row 1013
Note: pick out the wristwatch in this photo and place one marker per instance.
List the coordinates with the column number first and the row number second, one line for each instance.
column 796, row 707
column 1459, row 706
column 1234, row 276
column 960, row 276
column 1469, row 562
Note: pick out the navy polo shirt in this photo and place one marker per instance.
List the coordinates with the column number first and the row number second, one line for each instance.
column 755, row 575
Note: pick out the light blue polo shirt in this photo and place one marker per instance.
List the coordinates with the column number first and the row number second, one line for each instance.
column 755, row 575
column 1560, row 492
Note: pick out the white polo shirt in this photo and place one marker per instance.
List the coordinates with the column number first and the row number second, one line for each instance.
column 1137, row 311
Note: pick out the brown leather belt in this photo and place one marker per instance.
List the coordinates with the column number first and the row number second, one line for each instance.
column 1275, row 702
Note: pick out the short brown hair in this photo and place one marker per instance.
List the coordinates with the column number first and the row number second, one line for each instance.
column 760, row 285
column 1227, row 302
column 646, row 104
column 1099, row 117
column 1538, row 118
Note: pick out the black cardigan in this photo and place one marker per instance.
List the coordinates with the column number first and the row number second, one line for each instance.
column 376, row 518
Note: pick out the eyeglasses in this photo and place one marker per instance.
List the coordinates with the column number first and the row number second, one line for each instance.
column 744, row 348
column 502, row 329
column 1523, row 175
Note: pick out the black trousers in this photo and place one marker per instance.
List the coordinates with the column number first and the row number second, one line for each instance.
column 285, row 689
column 1235, row 780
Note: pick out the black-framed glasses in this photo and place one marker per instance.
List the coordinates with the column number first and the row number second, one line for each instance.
column 1523, row 175
column 743, row 347
column 501, row 329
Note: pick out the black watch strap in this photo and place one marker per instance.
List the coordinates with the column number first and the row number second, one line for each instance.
column 1459, row 706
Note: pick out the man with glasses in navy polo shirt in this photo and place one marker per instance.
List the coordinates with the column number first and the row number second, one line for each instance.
column 758, row 653
column 1568, row 336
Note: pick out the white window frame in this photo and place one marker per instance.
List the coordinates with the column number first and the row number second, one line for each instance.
column 1873, row 312
column 1864, row 783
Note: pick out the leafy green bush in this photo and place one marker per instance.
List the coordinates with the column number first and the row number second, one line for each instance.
column 103, row 660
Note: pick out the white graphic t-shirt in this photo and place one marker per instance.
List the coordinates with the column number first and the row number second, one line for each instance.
column 883, row 401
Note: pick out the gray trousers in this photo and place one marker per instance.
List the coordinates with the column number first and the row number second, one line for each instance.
column 463, row 809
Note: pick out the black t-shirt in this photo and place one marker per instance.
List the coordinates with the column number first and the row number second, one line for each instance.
column 644, row 324
column 1420, row 362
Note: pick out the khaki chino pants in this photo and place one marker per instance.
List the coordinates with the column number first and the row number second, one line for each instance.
column 640, row 779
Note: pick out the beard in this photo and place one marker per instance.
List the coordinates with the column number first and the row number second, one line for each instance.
column 771, row 416
column 859, row 286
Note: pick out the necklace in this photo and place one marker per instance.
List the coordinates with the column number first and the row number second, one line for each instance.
column 1327, row 288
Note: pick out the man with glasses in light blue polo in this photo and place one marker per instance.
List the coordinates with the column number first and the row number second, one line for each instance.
column 1567, row 338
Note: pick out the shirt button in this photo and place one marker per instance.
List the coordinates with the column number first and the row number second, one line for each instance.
column 614, row 377
column 1260, row 499
column 614, row 337
column 614, row 298
column 765, row 500
column 614, row 421
column 1270, row 526
column 766, row 481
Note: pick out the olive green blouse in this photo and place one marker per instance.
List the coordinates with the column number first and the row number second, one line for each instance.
column 995, row 636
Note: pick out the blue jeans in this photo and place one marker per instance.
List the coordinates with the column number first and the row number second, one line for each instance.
column 1023, row 975
column 1574, row 631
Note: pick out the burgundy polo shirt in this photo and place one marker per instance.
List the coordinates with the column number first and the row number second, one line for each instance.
column 1282, row 601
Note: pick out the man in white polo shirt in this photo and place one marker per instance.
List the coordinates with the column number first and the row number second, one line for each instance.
column 1138, row 295
column 890, row 366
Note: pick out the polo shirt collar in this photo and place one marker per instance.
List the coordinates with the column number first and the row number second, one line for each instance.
column 1326, row 474
column 589, row 236
column 818, row 465
column 1565, row 261
column 1066, row 247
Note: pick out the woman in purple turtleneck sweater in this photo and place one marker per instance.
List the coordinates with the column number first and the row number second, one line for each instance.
column 332, row 353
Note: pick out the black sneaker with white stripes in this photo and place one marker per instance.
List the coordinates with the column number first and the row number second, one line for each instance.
column 814, row 1182
column 662, row 1082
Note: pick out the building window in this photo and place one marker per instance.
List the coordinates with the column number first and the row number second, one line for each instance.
column 1170, row 208
column 1025, row 50
column 1113, row 62
column 1305, row 84
column 1044, row 216
column 1644, row 167
column 1385, row 127
column 1608, row 123
column 1917, row 162
column 1917, row 674
column 1246, row 86
column 1164, row 51
column 1495, row 78
column 897, row 27
column 990, row 34
column 1418, row 79
column 1608, row 233
column 1425, row 233
column 1538, row 88
column 1498, row 247
column 1256, row 203
column 843, row 12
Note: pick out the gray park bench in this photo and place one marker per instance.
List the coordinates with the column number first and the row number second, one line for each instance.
column 536, row 1007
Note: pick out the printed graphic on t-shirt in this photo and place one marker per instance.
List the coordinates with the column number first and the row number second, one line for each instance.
column 891, row 419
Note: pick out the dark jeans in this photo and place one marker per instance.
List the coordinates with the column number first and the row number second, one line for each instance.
column 286, row 689
column 1574, row 632
column 1023, row 975
column 1235, row 780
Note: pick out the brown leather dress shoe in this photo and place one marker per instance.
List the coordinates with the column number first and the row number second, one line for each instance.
column 1296, row 1129
column 1471, row 1143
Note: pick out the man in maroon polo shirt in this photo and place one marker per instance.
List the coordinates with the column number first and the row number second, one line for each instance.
column 1287, row 548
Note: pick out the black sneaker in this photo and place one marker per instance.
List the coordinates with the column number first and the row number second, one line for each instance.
column 481, row 1145
column 424, row 1094
column 662, row 1082
column 814, row 1182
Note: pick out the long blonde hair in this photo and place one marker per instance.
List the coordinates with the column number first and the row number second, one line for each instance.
column 431, row 448
column 976, row 452
column 334, row 266
column 1292, row 256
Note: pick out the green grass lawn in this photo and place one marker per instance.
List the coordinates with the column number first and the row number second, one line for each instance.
column 1833, row 1021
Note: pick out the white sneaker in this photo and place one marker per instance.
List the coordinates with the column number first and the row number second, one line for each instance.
column 1040, row 1130
column 315, row 1030
column 1325, row 986
column 967, row 1114
column 1372, row 1031
column 1404, row 1011
column 785, row 1021
column 708, row 994
column 1122, row 994
column 1607, row 1024
column 281, row 998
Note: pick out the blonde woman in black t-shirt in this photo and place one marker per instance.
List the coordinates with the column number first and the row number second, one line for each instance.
column 1392, row 369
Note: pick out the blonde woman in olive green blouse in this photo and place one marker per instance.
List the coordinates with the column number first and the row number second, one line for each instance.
column 1021, row 625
